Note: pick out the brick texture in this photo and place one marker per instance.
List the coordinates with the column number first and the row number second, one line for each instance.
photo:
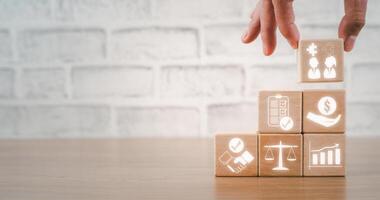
column 43, row 83
column 363, row 119
column 361, row 75
column 198, row 9
column 48, row 45
column 241, row 117
column 201, row 81
column 55, row 121
column 158, row 121
column 224, row 40
column 6, row 83
column 167, row 43
column 111, row 81
column 25, row 10
column 6, row 46
column 102, row 10
column 161, row 68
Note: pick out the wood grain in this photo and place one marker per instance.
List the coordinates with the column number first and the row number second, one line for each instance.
column 266, row 166
column 164, row 169
column 318, row 141
column 224, row 154
column 310, row 105
column 293, row 110
column 325, row 48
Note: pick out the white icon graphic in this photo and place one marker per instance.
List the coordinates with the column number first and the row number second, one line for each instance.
column 286, row 123
column 328, row 156
column 239, row 163
column 329, row 71
column 278, row 112
column 326, row 106
column 314, row 72
column 236, row 145
column 312, row 49
column 280, row 165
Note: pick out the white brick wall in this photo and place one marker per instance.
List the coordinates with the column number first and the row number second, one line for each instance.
column 201, row 81
column 154, row 43
column 113, row 81
column 6, row 83
column 66, row 45
column 43, row 83
column 105, row 10
column 55, row 120
column 240, row 117
column 25, row 10
column 5, row 48
column 198, row 9
column 160, row 68
column 158, row 121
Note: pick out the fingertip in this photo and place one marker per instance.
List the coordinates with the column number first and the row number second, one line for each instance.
column 267, row 51
column 349, row 43
column 293, row 44
column 291, row 34
column 244, row 37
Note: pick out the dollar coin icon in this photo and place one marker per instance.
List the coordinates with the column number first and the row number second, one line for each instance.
column 327, row 105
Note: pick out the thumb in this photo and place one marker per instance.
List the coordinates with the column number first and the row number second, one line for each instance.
column 353, row 22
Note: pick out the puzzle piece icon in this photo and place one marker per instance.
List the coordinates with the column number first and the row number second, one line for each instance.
column 312, row 49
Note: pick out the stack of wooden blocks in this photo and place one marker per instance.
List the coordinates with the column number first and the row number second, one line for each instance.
column 301, row 133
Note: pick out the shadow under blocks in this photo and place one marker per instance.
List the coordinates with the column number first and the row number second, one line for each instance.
column 300, row 133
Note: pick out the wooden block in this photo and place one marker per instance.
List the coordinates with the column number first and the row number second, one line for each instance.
column 324, row 111
column 280, row 155
column 321, row 60
column 236, row 154
column 324, row 155
column 280, row 111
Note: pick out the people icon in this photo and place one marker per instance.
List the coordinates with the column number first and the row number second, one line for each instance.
column 314, row 72
column 329, row 71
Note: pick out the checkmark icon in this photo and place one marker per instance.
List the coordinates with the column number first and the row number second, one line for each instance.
column 286, row 123
column 236, row 145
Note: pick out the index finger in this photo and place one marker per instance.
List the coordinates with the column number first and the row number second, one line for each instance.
column 284, row 14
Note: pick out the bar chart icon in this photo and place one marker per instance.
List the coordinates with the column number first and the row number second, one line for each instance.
column 329, row 156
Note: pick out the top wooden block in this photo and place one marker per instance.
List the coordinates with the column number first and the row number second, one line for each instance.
column 321, row 60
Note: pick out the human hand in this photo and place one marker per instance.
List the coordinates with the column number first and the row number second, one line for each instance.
column 352, row 22
column 267, row 15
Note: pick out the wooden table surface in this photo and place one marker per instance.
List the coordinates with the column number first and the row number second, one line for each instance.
column 164, row 169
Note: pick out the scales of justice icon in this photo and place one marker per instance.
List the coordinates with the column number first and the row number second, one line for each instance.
column 291, row 155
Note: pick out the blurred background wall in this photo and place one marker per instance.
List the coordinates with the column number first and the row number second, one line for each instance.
column 161, row 68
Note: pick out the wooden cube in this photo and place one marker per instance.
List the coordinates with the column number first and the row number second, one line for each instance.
column 236, row 154
column 321, row 60
column 324, row 155
column 280, row 111
column 280, row 154
column 324, row 111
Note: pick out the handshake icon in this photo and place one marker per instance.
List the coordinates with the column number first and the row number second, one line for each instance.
column 238, row 163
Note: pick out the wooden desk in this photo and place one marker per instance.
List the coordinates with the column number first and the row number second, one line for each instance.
column 163, row 169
